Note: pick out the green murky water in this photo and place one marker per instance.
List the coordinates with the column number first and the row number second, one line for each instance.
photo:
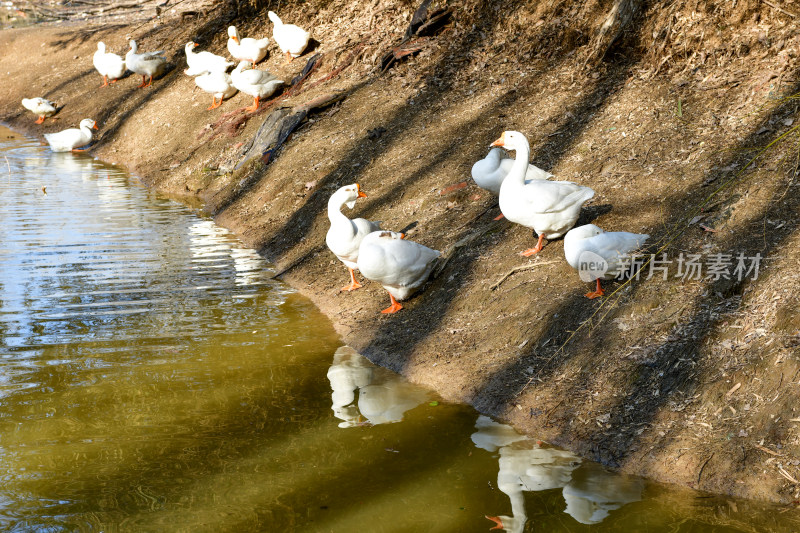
column 153, row 378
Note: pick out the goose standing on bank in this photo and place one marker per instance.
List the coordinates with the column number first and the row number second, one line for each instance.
column 490, row 171
column 291, row 39
column 247, row 48
column 108, row 64
column 345, row 235
column 203, row 62
column 551, row 208
column 399, row 265
column 257, row 83
column 597, row 254
column 148, row 64
column 218, row 83
column 40, row 106
column 71, row 139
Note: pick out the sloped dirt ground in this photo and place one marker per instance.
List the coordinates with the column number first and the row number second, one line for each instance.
column 685, row 127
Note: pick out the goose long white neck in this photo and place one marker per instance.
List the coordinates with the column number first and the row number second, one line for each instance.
column 523, row 152
column 338, row 219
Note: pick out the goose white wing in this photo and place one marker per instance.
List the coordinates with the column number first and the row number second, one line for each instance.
column 216, row 83
column 614, row 247
column 553, row 196
column 39, row 105
column 257, row 77
column 345, row 246
column 66, row 140
column 206, row 61
column 405, row 263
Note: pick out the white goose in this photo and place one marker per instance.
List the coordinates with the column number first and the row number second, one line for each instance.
column 219, row 83
column 203, row 62
column 551, row 208
column 291, row 39
column 108, row 64
column 490, row 171
column 40, row 106
column 344, row 236
column 400, row 266
column 597, row 254
column 247, row 48
column 70, row 139
column 146, row 64
column 257, row 83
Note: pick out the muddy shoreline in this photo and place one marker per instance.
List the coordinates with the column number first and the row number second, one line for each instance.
column 681, row 380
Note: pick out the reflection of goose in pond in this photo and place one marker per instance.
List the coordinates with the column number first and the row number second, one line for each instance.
column 593, row 492
column 78, row 164
column 383, row 396
column 524, row 466
column 212, row 246
column 590, row 491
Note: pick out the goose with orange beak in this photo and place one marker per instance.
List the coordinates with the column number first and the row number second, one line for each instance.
column 203, row 62
column 246, row 48
column 550, row 208
column 146, row 64
column 345, row 235
column 399, row 265
column 70, row 139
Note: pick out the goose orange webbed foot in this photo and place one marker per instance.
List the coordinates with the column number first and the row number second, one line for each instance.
column 536, row 249
column 253, row 107
column 395, row 307
column 496, row 520
column 354, row 284
column 595, row 293
column 40, row 120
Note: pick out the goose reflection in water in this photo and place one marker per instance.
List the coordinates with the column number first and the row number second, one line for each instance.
column 211, row 247
column 593, row 492
column 590, row 491
column 383, row 396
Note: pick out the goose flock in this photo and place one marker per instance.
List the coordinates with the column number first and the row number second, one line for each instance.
column 210, row 71
column 527, row 195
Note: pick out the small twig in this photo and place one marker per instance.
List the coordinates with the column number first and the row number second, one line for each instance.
column 551, row 411
column 786, row 474
column 702, row 467
column 767, row 450
column 519, row 269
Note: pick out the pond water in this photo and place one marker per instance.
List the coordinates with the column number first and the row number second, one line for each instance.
column 154, row 378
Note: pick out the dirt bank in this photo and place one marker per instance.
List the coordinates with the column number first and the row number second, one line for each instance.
column 689, row 379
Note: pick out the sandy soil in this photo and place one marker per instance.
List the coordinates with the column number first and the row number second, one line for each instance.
column 688, row 381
